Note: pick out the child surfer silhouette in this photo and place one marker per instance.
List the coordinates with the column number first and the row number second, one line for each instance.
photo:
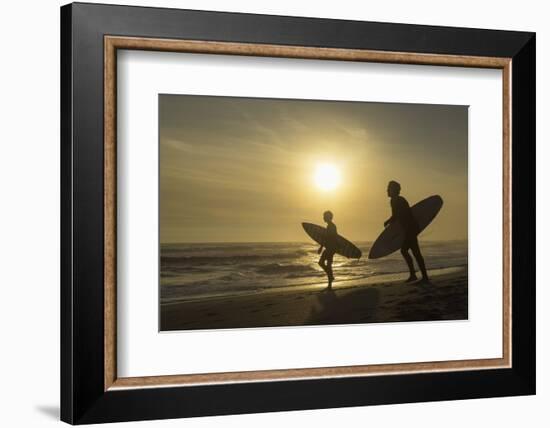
column 329, row 244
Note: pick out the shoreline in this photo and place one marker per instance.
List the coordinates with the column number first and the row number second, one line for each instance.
column 380, row 279
column 380, row 298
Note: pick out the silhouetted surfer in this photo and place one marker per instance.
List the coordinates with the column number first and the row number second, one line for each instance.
column 402, row 213
column 330, row 247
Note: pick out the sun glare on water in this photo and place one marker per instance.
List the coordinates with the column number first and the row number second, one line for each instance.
column 327, row 176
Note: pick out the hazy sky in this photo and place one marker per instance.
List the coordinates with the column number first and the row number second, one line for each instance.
column 242, row 169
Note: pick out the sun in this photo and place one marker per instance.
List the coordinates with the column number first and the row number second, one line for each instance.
column 327, row 176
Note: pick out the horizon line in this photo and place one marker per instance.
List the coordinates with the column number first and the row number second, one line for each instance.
column 289, row 242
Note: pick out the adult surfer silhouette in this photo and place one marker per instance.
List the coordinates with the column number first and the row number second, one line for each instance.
column 325, row 261
column 402, row 213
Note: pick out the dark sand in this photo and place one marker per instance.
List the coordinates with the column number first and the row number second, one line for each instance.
column 383, row 298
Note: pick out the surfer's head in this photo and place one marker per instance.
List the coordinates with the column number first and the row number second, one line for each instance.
column 394, row 188
column 327, row 216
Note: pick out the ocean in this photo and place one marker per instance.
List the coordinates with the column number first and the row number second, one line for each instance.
column 195, row 271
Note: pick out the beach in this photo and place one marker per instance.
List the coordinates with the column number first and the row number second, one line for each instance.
column 383, row 297
column 251, row 187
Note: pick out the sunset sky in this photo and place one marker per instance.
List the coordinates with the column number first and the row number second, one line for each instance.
column 251, row 170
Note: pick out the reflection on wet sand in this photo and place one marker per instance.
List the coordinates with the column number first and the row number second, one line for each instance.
column 350, row 302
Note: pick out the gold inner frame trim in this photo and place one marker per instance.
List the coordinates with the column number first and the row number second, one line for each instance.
column 113, row 43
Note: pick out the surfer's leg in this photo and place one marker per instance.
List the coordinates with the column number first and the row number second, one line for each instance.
column 408, row 259
column 330, row 258
column 322, row 261
column 419, row 258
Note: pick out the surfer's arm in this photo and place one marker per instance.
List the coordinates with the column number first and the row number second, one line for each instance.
column 320, row 249
column 389, row 221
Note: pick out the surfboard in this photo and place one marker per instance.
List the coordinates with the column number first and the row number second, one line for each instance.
column 343, row 246
column 391, row 238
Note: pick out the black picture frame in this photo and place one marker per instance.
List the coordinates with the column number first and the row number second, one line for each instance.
column 83, row 396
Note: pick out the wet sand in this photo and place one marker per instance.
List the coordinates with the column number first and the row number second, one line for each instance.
column 383, row 298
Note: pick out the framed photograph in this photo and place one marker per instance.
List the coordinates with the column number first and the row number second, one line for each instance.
column 266, row 213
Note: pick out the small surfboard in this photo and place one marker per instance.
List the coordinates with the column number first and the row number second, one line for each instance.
column 391, row 238
column 343, row 246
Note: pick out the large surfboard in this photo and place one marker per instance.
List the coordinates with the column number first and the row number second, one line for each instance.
column 343, row 246
column 392, row 237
